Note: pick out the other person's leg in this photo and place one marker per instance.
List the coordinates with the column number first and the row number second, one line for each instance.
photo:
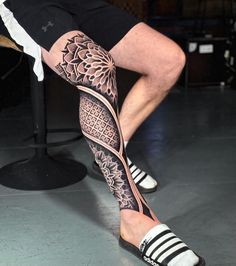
column 160, row 61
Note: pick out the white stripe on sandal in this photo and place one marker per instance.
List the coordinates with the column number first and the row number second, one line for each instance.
column 144, row 181
column 161, row 246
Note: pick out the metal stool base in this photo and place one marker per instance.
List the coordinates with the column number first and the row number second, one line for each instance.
column 42, row 173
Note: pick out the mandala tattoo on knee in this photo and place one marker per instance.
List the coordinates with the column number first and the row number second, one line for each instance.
column 87, row 63
column 91, row 69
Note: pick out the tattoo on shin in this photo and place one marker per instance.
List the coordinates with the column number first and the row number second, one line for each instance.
column 96, row 121
column 91, row 69
column 103, row 136
column 115, row 176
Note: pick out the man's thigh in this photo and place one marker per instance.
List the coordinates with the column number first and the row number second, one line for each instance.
column 143, row 49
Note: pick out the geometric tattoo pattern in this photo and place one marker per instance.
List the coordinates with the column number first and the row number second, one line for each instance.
column 96, row 121
column 86, row 63
column 91, row 69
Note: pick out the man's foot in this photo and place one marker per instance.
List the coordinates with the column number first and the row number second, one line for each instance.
column 153, row 242
column 134, row 226
column 144, row 182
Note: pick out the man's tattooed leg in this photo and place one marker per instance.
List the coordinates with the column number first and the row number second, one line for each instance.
column 91, row 69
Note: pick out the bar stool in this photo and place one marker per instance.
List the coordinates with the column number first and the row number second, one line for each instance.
column 42, row 171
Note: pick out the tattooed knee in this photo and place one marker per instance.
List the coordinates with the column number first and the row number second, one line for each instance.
column 88, row 64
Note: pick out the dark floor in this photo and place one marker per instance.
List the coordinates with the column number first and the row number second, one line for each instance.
column 189, row 145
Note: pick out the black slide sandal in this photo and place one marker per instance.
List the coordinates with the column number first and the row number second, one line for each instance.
column 142, row 254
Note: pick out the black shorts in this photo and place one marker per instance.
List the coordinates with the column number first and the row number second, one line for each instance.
column 46, row 20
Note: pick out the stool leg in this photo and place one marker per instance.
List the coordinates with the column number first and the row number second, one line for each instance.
column 42, row 171
column 39, row 112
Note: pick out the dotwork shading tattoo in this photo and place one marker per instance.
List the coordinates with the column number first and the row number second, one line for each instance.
column 115, row 177
column 91, row 69
column 86, row 63
column 96, row 121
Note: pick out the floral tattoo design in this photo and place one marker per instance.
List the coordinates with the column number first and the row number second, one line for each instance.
column 115, row 177
column 97, row 123
column 91, row 69
column 86, row 63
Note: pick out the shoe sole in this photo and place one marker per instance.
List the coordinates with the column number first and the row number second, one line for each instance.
column 135, row 251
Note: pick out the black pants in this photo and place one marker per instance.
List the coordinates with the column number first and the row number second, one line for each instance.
column 45, row 21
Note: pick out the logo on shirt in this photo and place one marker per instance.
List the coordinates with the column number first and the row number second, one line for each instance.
column 45, row 28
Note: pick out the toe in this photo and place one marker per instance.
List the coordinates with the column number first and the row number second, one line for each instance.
column 148, row 182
